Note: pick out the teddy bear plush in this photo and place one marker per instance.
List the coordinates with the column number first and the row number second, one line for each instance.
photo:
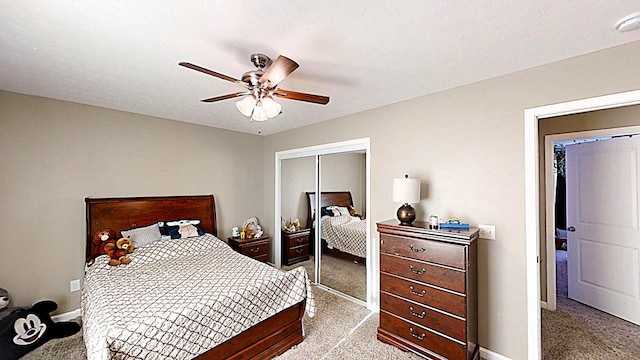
column 100, row 240
column 24, row 329
column 118, row 251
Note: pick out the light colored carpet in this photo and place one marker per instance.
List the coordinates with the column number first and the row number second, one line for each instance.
column 339, row 274
column 341, row 329
column 577, row 331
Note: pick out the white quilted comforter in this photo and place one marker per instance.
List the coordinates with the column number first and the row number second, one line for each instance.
column 346, row 233
column 180, row 298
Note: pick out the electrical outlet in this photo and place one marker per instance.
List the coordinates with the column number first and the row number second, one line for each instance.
column 487, row 231
column 74, row 285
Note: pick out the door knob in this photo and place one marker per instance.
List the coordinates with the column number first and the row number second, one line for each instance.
column 571, row 228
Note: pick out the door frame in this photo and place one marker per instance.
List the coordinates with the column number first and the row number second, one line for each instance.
column 551, row 303
column 532, row 196
column 363, row 144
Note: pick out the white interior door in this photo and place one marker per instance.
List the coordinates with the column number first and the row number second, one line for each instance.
column 602, row 207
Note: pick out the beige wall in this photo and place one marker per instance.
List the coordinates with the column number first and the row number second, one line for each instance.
column 298, row 176
column 595, row 120
column 53, row 154
column 340, row 172
column 467, row 146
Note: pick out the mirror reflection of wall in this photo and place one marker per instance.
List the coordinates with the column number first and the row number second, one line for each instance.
column 297, row 177
column 343, row 265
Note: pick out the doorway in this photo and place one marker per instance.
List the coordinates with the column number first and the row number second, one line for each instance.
column 532, row 184
column 317, row 152
column 551, row 230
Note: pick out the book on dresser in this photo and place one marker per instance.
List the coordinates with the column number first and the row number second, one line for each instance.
column 428, row 290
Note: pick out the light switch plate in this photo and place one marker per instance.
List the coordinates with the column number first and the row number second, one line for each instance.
column 74, row 285
column 487, row 231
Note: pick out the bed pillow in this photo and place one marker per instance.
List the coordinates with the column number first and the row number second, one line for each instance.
column 342, row 210
column 330, row 210
column 174, row 228
column 143, row 236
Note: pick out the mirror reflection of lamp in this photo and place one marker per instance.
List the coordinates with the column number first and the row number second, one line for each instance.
column 406, row 190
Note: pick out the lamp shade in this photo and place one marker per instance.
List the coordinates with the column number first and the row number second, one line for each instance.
column 406, row 190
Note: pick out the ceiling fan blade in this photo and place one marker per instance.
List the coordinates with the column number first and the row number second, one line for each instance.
column 280, row 69
column 294, row 95
column 225, row 97
column 213, row 73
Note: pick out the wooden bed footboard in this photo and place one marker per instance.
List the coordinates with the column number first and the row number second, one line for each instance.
column 265, row 340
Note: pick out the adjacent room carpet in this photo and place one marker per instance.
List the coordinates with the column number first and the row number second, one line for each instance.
column 577, row 331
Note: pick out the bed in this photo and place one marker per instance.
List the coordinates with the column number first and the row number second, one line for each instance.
column 185, row 298
column 343, row 236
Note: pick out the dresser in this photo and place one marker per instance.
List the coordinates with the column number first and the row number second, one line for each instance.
column 295, row 246
column 428, row 290
column 256, row 248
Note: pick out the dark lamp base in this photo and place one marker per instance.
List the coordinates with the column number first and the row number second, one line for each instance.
column 406, row 214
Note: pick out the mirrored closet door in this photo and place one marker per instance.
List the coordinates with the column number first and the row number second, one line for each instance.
column 342, row 248
column 327, row 234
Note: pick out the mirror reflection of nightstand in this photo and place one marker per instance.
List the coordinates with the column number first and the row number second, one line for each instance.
column 295, row 246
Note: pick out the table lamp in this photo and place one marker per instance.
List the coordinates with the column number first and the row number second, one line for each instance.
column 406, row 190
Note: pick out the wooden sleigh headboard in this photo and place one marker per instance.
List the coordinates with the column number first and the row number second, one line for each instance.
column 339, row 198
column 120, row 214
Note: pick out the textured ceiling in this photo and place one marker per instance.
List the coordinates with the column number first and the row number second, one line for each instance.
column 124, row 54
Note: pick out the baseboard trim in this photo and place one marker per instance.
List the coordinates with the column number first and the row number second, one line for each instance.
column 490, row 355
column 67, row 316
column 544, row 305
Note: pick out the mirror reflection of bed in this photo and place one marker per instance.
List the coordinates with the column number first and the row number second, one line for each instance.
column 343, row 242
column 342, row 180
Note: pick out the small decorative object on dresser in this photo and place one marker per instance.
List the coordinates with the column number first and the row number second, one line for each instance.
column 256, row 248
column 428, row 290
column 295, row 246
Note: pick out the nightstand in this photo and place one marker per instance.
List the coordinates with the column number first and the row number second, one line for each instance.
column 295, row 246
column 256, row 248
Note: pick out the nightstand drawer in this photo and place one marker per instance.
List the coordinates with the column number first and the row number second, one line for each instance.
column 255, row 250
column 424, row 294
column 299, row 251
column 446, row 347
column 298, row 240
column 432, row 251
column 424, row 316
column 421, row 271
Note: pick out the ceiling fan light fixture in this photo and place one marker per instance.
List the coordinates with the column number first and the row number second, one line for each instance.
column 246, row 105
column 272, row 108
column 259, row 113
column 628, row 23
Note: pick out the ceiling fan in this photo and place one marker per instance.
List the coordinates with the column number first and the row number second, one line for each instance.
column 261, row 87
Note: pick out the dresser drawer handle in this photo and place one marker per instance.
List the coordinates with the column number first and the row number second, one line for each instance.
column 415, row 335
column 416, row 314
column 298, row 251
column 417, row 293
column 301, row 240
column 255, row 250
column 418, row 272
column 422, row 249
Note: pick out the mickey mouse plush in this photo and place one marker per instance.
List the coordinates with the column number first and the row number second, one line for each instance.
column 24, row 329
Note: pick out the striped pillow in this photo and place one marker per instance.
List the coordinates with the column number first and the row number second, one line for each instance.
column 144, row 235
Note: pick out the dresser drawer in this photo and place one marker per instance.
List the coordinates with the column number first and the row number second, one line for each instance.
column 448, row 348
column 255, row 250
column 421, row 271
column 429, row 318
column 299, row 251
column 426, row 250
column 298, row 240
column 424, row 294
